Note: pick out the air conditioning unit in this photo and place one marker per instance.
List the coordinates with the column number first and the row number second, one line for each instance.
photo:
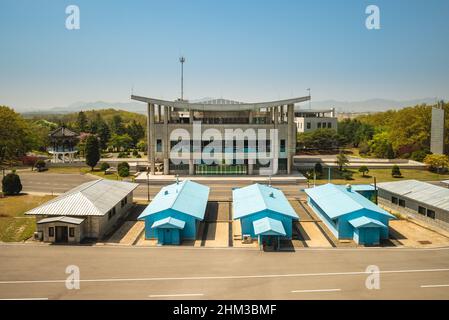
column 38, row 235
column 246, row 238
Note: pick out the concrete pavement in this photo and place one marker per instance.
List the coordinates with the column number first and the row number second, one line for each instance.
column 38, row 271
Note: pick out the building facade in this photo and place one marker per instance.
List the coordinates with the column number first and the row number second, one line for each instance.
column 220, row 115
column 175, row 212
column 311, row 120
column 418, row 199
column 348, row 214
column 264, row 213
column 91, row 210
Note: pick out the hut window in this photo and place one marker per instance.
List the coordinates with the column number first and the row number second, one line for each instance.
column 422, row 210
column 72, row 232
column 401, row 203
column 51, row 232
column 431, row 214
column 394, row 200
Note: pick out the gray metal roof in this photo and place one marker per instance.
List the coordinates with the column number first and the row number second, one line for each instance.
column 61, row 219
column 223, row 105
column 93, row 198
column 423, row 192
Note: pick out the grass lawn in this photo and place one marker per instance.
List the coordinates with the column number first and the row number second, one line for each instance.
column 14, row 225
column 381, row 175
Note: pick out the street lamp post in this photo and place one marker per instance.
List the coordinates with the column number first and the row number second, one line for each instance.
column 148, row 184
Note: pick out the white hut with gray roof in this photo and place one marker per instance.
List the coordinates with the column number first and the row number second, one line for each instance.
column 90, row 210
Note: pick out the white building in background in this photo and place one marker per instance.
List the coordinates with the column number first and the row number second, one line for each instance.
column 437, row 131
column 311, row 120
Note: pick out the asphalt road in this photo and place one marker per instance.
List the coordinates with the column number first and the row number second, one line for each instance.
column 56, row 183
column 38, row 272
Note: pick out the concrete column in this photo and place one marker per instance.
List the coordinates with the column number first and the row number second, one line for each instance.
column 191, row 167
column 191, row 116
column 276, row 117
column 291, row 139
column 250, row 117
column 150, row 141
column 250, row 168
column 159, row 113
column 166, row 142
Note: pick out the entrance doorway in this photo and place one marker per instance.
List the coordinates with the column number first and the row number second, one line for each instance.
column 61, row 234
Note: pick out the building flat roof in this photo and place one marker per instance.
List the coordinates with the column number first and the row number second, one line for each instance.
column 337, row 200
column 187, row 197
column 258, row 197
column 419, row 191
column 93, row 198
column 224, row 105
column 268, row 226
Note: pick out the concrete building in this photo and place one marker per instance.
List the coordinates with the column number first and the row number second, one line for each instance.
column 348, row 214
column 264, row 213
column 220, row 114
column 174, row 214
column 91, row 210
column 437, row 131
column 311, row 120
column 420, row 200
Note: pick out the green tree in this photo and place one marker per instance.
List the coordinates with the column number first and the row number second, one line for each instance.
column 81, row 122
column 342, row 160
column 11, row 184
column 380, row 145
column 395, row 171
column 123, row 164
column 120, row 142
column 123, row 172
column 438, row 162
column 92, row 151
column 363, row 170
column 104, row 134
column 135, row 131
column 117, row 126
column 321, row 139
column 318, row 169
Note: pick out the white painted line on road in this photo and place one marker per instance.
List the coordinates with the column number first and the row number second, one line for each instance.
column 175, row 295
column 24, row 299
column 315, row 290
column 435, row 286
column 235, row 277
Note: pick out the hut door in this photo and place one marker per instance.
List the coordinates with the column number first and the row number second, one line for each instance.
column 61, row 234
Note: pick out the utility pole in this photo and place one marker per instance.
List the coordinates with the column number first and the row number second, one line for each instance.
column 182, row 60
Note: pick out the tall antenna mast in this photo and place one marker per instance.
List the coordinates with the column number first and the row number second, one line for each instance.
column 182, row 60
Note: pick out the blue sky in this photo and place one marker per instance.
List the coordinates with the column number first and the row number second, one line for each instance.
column 248, row 50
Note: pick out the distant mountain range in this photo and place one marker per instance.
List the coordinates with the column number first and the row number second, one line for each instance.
column 371, row 105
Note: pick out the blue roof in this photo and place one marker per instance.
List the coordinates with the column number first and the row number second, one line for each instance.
column 169, row 222
column 268, row 226
column 187, row 197
column 257, row 198
column 362, row 187
column 365, row 222
column 337, row 200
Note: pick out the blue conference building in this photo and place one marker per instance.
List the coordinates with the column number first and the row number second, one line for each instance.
column 173, row 215
column 264, row 213
column 349, row 214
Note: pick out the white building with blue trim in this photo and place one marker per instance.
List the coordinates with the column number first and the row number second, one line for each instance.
column 348, row 214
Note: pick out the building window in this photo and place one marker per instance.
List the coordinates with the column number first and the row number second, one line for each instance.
column 394, row 200
column 111, row 213
column 72, row 232
column 51, row 232
column 422, row 210
column 329, row 125
column 282, row 146
column 308, row 124
column 319, row 125
column 159, row 145
column 402, row 203
column 431, row 214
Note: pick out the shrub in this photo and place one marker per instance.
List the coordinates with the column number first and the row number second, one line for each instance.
column 104, row 166
column 122, row 155
column 347, row 175
column 11, row 184
column 135, row 152
column 418, row 155
column 138, row 156
column 123, row 172
column 363, row 170
column 395, row 171
column 123, row 165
